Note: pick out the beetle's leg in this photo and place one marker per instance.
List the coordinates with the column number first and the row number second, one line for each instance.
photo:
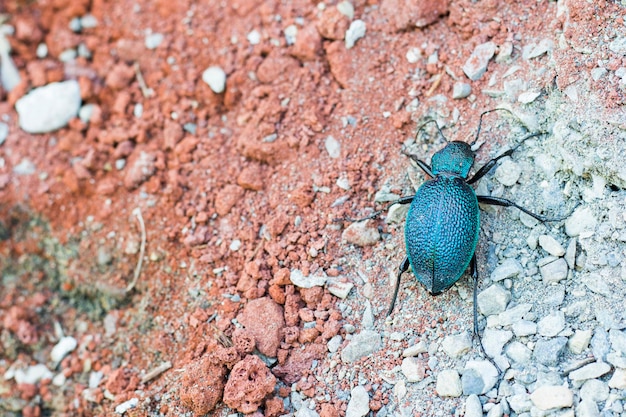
column 489, row 165
column 474, row 269
column 404, row 266
column 402, row 200
column 423, row 165
column 497, row 201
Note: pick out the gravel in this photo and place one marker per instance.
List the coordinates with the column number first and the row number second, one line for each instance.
column 48, row 108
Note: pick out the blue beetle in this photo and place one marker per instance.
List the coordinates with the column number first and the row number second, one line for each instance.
column 443, row 221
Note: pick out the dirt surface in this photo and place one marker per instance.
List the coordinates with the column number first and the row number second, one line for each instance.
column 250, row 298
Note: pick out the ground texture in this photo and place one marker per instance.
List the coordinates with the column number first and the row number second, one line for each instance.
column 250, row 297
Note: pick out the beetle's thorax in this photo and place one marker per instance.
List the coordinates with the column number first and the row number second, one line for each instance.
column 456, row 158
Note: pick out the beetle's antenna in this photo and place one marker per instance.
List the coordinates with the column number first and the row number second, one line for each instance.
column 423, row 125
column 480, row 121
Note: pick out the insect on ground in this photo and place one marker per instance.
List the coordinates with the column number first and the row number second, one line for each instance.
column 443, row 222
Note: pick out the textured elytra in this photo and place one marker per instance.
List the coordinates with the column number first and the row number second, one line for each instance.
column 441, row 231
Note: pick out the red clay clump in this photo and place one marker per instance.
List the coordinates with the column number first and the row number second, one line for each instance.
column 249, row 383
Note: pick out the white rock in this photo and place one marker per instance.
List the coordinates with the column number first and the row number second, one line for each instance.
column 358, row 406
column 413, row 369
column 415, row 350
column 552, row 396
column 127, row 405
column 554, row 271
column 528, row 97
column 508, row 172
column 552, row 324
column 509, row 268
column 153, row 40
column 62, row 348
column 461, row 90
column 4, row 132
column 493, row 300
column 32, row 374
column 299, row 280
column 581, row 221
column 50, row 107
column 618, row 380
column 550, row 245
column 591, row 371
column 579, row 341
column 9, row 75
column 254, row 37
column 338, row 288
column 333, row 147
column 473, row 407
column 355, row 32
column 215, row 77
column 449, row 384
column 457, row 345
column 291, row 34
column 477, row 63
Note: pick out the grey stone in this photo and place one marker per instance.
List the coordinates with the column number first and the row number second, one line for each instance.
column 358, row 406
column 520, row 403
column 534, row 51
column 478, row 377
column 413, row 369
column 448, row 384
column 524, row 328
column 457, row 345
column 618, row 45
column 415, row 350
column 496, row 411
column 552, row 324
column 494, row 341
column 581, row 221
column 514, row 314
column 600, row 344
column 618, row 380
column 333, row 147
column 618, row 341
column 48, row 108
column 361, row 234
column 461, row 90
column 338, row 288
column 509, row 268
column 362, row 344
column 300, row 280
column 518, row 353
column 550, row 245
column 493, row 300
column 548, row 352
column 549, row 396
column 508, row 172
column 587, row 408
column 579, row 341
column 594, row 390
column 554, row 271
column 334, row 343
column 473, row 407
column 591, row 371
column 596, row 284
column 477, row 63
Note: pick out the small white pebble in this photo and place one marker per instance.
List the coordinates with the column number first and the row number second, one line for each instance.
column 153, row 40
column 413, row 55
column 235, row 245
column 291, row 33
column 42, row 51
column 254, row 37
column 125, row 406
column 215, row 77
column 61, row 349
column 355, row 32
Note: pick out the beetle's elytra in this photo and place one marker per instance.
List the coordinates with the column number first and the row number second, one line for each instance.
column 442, row 224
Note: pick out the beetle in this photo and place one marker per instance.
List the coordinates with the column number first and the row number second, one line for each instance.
column 443, row 221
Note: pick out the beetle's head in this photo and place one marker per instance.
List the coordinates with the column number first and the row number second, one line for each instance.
column 456, row 158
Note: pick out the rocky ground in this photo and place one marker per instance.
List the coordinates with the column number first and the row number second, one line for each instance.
column 171, row 174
